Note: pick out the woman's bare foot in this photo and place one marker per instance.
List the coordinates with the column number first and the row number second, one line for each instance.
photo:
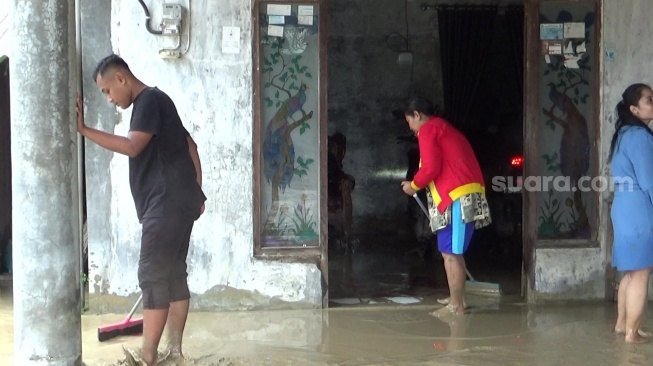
column 634, row 337
column 645, row 334
column 446, row 301
column 642, row 333
column 620, row 327
column 447, row 312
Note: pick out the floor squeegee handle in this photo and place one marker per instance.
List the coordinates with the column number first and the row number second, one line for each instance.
column 133, row 310
column 421, row 205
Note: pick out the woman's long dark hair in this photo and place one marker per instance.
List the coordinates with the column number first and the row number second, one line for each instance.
column 625, row 117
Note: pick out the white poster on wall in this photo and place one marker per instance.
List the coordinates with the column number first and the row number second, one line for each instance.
column 551, row 31
column 276, row 19
column 231, row 40
column 305, row 10
column 279, row 9
column 574, row 30
column 305, row 20
column 275, row 31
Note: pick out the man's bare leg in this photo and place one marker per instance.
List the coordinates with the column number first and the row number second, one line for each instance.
column 635, row 304
column 154, row 320
column 176, row 323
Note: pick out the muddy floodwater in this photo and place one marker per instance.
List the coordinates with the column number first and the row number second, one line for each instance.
column 397, row 332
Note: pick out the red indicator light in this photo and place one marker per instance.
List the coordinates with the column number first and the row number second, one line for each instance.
column 517, row 161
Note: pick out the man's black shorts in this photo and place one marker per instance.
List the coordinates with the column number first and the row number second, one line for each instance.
column 162, row 272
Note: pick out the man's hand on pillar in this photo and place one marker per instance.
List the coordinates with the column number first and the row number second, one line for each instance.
column 80, row 114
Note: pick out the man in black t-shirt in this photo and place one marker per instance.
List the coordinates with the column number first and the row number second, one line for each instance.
column 165, row 178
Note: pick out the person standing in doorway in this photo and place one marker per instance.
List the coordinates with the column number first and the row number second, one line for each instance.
column 631, row 165
column 457, row 203
column 165, row 178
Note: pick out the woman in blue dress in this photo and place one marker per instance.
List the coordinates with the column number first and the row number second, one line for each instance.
column 631, row 157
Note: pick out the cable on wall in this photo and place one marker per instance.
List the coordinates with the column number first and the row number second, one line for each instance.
column 148, row 19
column 402, row 45
column 189, row 25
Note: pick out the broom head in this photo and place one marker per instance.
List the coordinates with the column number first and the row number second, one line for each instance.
column 126, row 327
column 483, row 288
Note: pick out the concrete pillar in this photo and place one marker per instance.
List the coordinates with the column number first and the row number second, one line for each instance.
column 47, row 320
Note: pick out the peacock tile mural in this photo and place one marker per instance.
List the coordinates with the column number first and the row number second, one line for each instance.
column 290, row 133
column 566, row 124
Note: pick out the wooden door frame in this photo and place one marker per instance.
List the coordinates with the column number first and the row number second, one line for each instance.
column 317, row 255
column 532, row 57
column 5, row 148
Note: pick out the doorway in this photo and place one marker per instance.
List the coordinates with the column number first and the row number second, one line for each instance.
column 484, row 92
column 377, row 59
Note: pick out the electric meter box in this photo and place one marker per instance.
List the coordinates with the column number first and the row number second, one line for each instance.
column 171, row 19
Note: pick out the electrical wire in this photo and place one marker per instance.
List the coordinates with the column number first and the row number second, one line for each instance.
column 405, row 47
column 409, row 48
column 408, row 40
column 189, row 24
column 410, row 86
column 147, row 19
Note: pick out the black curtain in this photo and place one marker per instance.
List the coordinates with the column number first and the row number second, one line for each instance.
column 465, row 40
column 515, row 23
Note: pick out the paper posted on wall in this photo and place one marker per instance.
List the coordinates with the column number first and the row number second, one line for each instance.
column 574, row 30
column 305, row 20
column 230, row 39
column 571, row 61
column 552, row 47
column 279, row 9
column 275, row 31
column 551, row 31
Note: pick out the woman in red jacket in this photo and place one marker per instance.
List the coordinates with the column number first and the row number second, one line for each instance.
column 457, row 202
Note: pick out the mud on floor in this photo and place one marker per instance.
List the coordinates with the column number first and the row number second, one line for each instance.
column 133, row 358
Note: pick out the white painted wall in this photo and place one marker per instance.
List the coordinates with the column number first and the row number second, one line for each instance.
column 626, row 31
column 213, row 94
column 4, row 30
